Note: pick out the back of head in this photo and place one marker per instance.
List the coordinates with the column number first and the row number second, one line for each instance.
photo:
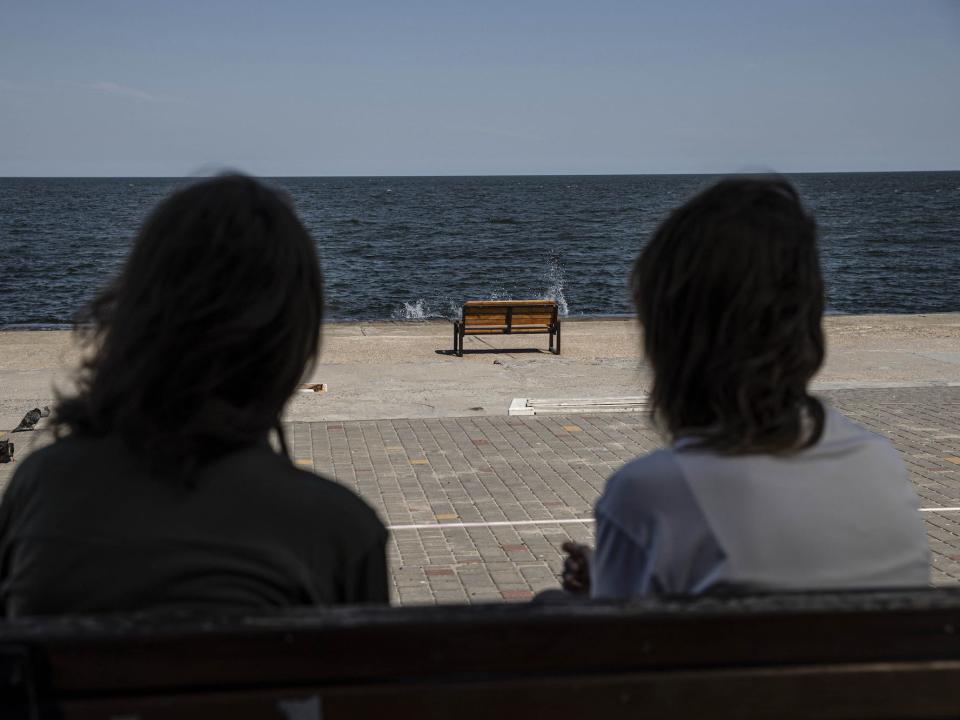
column 730, row 296
column 206, row 332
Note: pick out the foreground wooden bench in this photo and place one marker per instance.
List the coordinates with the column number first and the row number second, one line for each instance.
column 507, row 317
column 851, row 655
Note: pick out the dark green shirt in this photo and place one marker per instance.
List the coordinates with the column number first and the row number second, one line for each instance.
column 86, row 528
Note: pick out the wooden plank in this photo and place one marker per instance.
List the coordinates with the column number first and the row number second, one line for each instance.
column 488, row 320
column 893, row 654
column 544, row 317
column 485, row 312
column 887, row 690
column 538, row 321
column 491, row 324
column 325, row 646
column 528, row 329
column 467, row 311
column 501, row 303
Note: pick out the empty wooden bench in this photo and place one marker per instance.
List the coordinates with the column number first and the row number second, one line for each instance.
column 849, row 655
column 507, row 317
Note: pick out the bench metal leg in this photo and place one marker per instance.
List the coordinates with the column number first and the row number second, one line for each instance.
column 456, row 335
column 558, row 339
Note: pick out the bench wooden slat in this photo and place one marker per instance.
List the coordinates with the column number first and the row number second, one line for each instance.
column 922, row 690
column 473, row 323
column 547, row 315
column 323, row 645
column 500, row 312
column 544, row 327
column 889, row 654
column 501, row 303
column 515, row 331
column 522, row 321
column 491, row 319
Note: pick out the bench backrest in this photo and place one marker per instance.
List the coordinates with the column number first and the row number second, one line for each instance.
column 509, row 313
column 852, row 655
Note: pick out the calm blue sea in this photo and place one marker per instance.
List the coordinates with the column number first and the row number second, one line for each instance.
column 415, row 248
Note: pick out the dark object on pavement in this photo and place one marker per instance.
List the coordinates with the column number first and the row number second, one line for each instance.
column 31, row 419
column 6, row 451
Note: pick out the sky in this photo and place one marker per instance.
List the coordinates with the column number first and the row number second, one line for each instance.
column 451, row 87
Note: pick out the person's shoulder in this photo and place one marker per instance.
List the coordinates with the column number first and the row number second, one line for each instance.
column 62, row 452
column 838, row 429
column 311, row 492
column 352, row 513
column 345, row 500
column 647, row 470
column 65, row 448
column 651, row 480
column 45, row 470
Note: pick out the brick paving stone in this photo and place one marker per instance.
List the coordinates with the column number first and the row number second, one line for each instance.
column 447, row 471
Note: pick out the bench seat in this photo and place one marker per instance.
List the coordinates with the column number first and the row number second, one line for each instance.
column 501, row 329
column 893, row 654
column 507, row 317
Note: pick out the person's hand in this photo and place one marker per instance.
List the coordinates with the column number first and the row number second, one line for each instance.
column 576, row 568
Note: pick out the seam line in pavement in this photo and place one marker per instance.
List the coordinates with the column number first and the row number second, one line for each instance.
column 510, row 523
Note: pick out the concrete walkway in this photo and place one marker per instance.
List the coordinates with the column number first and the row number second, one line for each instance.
column 404, row 370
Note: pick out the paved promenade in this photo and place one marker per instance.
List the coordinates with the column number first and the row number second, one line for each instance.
column 405, row 369
column 479, row 506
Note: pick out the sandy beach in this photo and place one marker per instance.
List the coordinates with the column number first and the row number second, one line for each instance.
column 376, row 370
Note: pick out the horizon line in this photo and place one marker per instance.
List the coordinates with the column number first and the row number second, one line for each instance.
column 228, row 170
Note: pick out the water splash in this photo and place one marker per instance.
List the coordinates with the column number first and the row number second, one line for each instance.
column 555, row 278
column 417, row 310
column 420, row 310
column 454, row 310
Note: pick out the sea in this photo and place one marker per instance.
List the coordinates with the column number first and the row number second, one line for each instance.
column 415, row 248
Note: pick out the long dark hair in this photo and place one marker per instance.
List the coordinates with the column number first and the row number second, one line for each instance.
column 201, row 339
column 730, row 296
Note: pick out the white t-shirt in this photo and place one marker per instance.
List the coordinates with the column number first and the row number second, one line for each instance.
column 841, row 514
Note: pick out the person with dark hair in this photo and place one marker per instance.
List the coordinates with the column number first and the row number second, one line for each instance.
column 764, row 487
column 162, row 489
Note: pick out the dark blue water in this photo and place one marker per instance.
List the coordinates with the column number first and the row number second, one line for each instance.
column 410, row 248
